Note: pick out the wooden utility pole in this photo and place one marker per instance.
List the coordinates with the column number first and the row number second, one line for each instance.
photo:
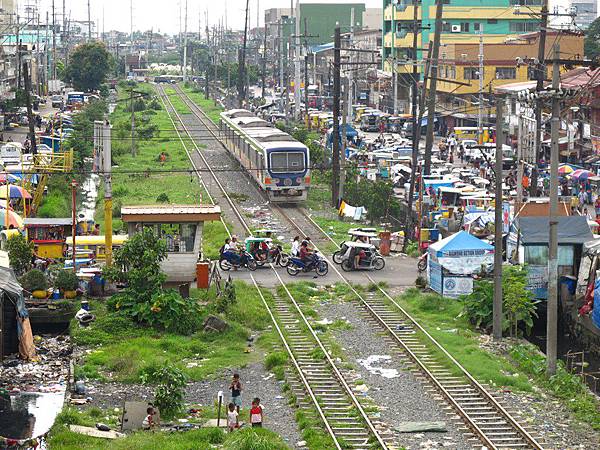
column 242, row 64
column 540, row 77
column 433, row 85
column 497, row 303
column 335, row 158
column 30, row 118
column 552, row 304
column 133, row 151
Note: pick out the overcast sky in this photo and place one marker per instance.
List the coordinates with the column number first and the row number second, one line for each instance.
column 164, row 15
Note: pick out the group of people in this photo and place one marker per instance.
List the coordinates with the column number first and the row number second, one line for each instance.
column 233, row 409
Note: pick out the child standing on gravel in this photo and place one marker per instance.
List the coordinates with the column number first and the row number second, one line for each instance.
column 256, row 414
column 236, row 392
column 232, row 418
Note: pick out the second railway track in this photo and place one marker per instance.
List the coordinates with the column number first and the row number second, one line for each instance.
column 489, row 423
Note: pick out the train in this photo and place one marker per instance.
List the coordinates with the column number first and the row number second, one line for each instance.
column 278, row 163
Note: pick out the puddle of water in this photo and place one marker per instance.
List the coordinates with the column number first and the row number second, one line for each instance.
column 370, row 365
column 89, row 189
column 29, row 415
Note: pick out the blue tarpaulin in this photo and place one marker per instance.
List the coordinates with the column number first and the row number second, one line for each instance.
column 596, row 310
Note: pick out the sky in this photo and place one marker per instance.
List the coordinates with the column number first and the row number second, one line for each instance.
column 164, row 15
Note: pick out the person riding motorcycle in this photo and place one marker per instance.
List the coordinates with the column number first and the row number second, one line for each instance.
column 230, row 250
column 306, row 255
column 360, row 255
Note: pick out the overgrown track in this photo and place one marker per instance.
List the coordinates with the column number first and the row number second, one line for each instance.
column 323, row 383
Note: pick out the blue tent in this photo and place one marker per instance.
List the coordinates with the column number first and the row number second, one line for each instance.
column 453, row 260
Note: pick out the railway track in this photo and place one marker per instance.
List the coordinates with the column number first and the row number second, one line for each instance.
column 484, row 417
column 319, row 380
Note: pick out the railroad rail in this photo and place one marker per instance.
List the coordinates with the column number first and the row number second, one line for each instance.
column 483, row 415
column 322, row 380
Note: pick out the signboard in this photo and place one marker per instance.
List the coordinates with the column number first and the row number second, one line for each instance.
column 454, row 287
column 505, row 217
column 537, row 281
column 435, row 276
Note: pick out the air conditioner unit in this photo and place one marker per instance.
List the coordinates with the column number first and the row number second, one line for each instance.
column 463, row 56
column 455, row 28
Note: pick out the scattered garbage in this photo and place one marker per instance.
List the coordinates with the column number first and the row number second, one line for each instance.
column 374, row 359
column 214, row 324
column 93, row 432
column 324, row 322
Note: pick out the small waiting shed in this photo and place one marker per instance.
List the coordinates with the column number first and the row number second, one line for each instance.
column 48, row 235
column 181, row 227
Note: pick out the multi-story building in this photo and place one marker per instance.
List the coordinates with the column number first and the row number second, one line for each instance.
column 587, row 12
column 463, row 22
column 512, row 61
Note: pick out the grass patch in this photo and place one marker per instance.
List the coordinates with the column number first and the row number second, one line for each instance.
column 457, row 336
column 177, row 101
column 126, row 350
column 208, row 106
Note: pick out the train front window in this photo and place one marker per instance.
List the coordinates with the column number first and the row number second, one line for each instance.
column 286, row 162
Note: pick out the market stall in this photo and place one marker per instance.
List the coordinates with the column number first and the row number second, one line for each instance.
column 453, row 261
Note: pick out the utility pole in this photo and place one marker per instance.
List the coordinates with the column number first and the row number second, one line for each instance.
column 103, row 163
column 497, row 302
column 54, row 77
column 280, row 48
column 242, row 64
column 133, row 152
column 89, row 22
column 297, row 82
column 185, row 43
column 130, row 28
column 306, row 81
column 481, row 76
column 335, row 159
column 415, row 129
column 433, row 85
column 552, row 314
column 30, row 119
column 349, row 96
column 540, row 76
column 264, row 63
column 393, row 55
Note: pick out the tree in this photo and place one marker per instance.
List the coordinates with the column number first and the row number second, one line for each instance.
column 137, row 264
column 591, row 46
column 88, row 67
column 83, row 130
column 20, row 253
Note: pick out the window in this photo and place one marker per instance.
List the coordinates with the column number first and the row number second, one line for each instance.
column 566, row 255
column 283, row 162
column 526, row 2
column 536, row 255
column 446, row 27
column 452, row 74
column 523, row 27
column 471, row 73
column 492, row 21
column 464, row 26
column 506, row 73
column 477, row 26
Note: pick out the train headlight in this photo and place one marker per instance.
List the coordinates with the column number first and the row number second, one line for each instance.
column 299, row 180
column 287, row 182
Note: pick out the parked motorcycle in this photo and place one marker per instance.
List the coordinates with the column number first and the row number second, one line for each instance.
column 372, row 259
column 274, row 256
column 422, row 263
column 318, row 264
column 226, row 262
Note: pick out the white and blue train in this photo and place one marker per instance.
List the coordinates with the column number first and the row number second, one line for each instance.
column 274, row 159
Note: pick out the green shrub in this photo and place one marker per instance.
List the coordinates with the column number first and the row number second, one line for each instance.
column 66, row 280
column 162, row 198
column 170, row 389
column 275, row 359
column 20, row 253
column 34, row 280
column 227, row 298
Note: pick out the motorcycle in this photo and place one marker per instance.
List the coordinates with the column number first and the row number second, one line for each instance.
column 318, row 264
column 245, row 260
column 274, row 256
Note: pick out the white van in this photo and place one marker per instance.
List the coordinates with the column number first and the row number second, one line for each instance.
column 10, row 153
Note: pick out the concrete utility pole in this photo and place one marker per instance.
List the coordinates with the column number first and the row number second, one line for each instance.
column 185, row 43
column 433, row 85
column 54, row 77
column 297, row 62
column 130, row 29
column 481, row 77
column 89, row 22
column 540, row 76
column 497, row 304
column 393, row 55
column 280, row 58
column 335, row 159
column 133, row 152
column 349, row 96
column 552, row 314
column 30, row 118
column 415, row 128
column 242, row 65
column 264, row 63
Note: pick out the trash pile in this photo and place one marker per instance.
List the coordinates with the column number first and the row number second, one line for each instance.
column 48, row 372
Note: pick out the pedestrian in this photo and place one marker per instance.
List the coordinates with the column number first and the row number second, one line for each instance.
column 256, row 413
column 232, row 418
column 236, row 392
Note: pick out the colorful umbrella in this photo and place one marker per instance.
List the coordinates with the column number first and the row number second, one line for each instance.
column 565, row 169
column 13, row 218
column 581, row 174
column 13, row 191
column 10, row 177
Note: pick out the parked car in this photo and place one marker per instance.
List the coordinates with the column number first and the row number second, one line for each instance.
column 57, row 101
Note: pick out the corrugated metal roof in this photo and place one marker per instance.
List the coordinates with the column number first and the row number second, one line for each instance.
column 49, row 222
column 171, row 209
